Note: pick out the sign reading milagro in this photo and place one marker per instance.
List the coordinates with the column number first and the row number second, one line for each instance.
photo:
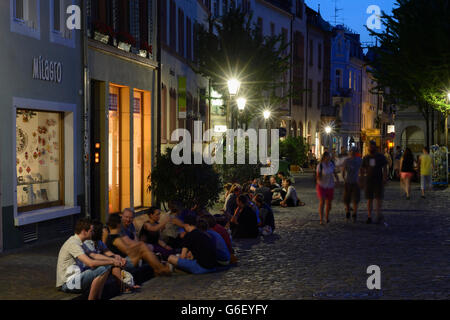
column 47, row 70
column 181, row 97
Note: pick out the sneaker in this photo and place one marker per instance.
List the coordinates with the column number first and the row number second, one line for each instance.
column 369, row 220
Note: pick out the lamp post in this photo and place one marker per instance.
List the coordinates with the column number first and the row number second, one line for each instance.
column 233, row 88
column 446, row 122
column 328, row 131
column 241, row 103
column 267, row 114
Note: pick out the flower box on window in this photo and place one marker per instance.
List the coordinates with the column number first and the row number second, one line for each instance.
column 124, row 46
column 104, row 38
column 126, row 41
column 102, row 32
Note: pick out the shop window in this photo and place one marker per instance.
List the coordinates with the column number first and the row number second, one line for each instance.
column 137, row 149
column 114, row 150
column 39, row 159
column 25, row 17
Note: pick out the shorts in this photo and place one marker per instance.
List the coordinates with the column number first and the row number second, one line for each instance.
column 406, row 175
column 83, row 282
column 192, row 266
column 374, row 190
column 425, row 182
column 352, row 193
column 325, row 193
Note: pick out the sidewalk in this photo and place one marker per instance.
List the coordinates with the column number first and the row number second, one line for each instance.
column 30, row 274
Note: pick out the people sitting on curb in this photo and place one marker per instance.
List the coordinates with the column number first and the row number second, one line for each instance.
column 198, row 255
column 133, row 251
column 222, row 252
column 244, row 223
column 151, row 232
column 266, row 215
column 73, row 279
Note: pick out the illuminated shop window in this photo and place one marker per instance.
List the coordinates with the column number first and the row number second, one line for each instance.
column 137, row 149
column 114, row 150
column 39, row 159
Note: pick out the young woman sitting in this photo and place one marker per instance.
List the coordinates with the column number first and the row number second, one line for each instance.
column 266, row 215
column 151, row 232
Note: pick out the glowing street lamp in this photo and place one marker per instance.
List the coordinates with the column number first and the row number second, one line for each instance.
column 328, row 129
column 267, row 114
column 241, row 102
column 233, row 86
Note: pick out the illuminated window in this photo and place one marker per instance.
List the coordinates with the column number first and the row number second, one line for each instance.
column 114, row 150
column 39, row 159
column 137, row 149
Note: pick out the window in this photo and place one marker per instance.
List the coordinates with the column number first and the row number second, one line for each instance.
column 114, row 150
column 164, row 21
column 284, row 31
column 216, row 8
column 173, row 25
column 310, row 92
column 272, row 29
column 311, row 52
column 338, row 79
column 59, row 32
column 299, row 9
column 39, row 159
column 188, row 39
column 181, row 32
column 137, row 149
column 319, row 94
column 164, row 115
column 319, row 62
column 260, row 26
column 173, row 112
column 25, row 18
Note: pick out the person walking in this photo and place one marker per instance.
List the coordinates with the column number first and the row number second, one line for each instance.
column 373, row 169
column 398, row 156
column 388, row 159
column 426, row 167
column 407, row 172
column 350, row 173
column 325, row 174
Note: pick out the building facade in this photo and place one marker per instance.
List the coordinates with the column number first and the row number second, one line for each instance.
column 122, row 91
column 41, row 136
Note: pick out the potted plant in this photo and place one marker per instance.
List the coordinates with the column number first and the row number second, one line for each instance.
column 146, row 49
column 102, row 32
column 126, row 41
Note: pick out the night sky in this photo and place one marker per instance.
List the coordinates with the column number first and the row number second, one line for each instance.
column 353, row 13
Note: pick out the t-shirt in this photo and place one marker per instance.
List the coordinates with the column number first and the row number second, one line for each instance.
column 129, row 231
column 352, row 166
column 425, row 165
column 222, row 252
column 408, row 164
column 267, row 216
column 151, row 237
column 265, row 191
column 230, row 204
column 326, row 181
column 70, row 251
column 374, row 165
column 291, row 193
column 90, row 246
column 202, row 247
column 225, row 235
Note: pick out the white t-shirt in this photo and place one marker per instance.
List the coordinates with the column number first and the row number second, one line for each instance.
column 68, row 254
column 327, row 179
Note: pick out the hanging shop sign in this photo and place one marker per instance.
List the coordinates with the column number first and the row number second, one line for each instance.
column 47, row 70
column 182, row 105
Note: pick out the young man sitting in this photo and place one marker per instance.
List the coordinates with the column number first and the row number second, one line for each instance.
column 198, row 255
column 70, row 276
column 244, row 223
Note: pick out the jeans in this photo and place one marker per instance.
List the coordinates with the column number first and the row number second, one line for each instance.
column 82, row 282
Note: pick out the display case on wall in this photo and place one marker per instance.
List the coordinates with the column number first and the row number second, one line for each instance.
column 39, row 160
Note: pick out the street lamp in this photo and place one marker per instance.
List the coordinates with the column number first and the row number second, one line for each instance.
column 328, row 129
column 241, row 102
column 267, row 114
column 233, row 86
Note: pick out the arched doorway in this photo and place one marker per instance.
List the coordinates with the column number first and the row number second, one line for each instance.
column 294, row 129
column 414, row 138
column 300, row 129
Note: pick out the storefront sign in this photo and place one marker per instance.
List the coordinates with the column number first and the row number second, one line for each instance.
column 182, row 98
column 47, row 70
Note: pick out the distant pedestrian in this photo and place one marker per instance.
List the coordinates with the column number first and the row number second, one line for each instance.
column 374, row 170
column 426, row 167
column 407, row 172
column 397, row 158
column 325, row 174
column 352, row 194
column 388, row 159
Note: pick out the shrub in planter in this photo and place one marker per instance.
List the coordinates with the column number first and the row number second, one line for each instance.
column 190, row 184
column 125, row 37
column 295, row 150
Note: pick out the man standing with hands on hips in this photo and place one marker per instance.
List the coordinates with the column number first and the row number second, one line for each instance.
column 374, row 169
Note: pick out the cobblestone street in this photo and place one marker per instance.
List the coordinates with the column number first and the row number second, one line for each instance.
column 304, row 260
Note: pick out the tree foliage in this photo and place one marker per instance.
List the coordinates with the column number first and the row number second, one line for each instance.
column 413, row 58
column 190, row 184
column 295, row 150
column 233, row 47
